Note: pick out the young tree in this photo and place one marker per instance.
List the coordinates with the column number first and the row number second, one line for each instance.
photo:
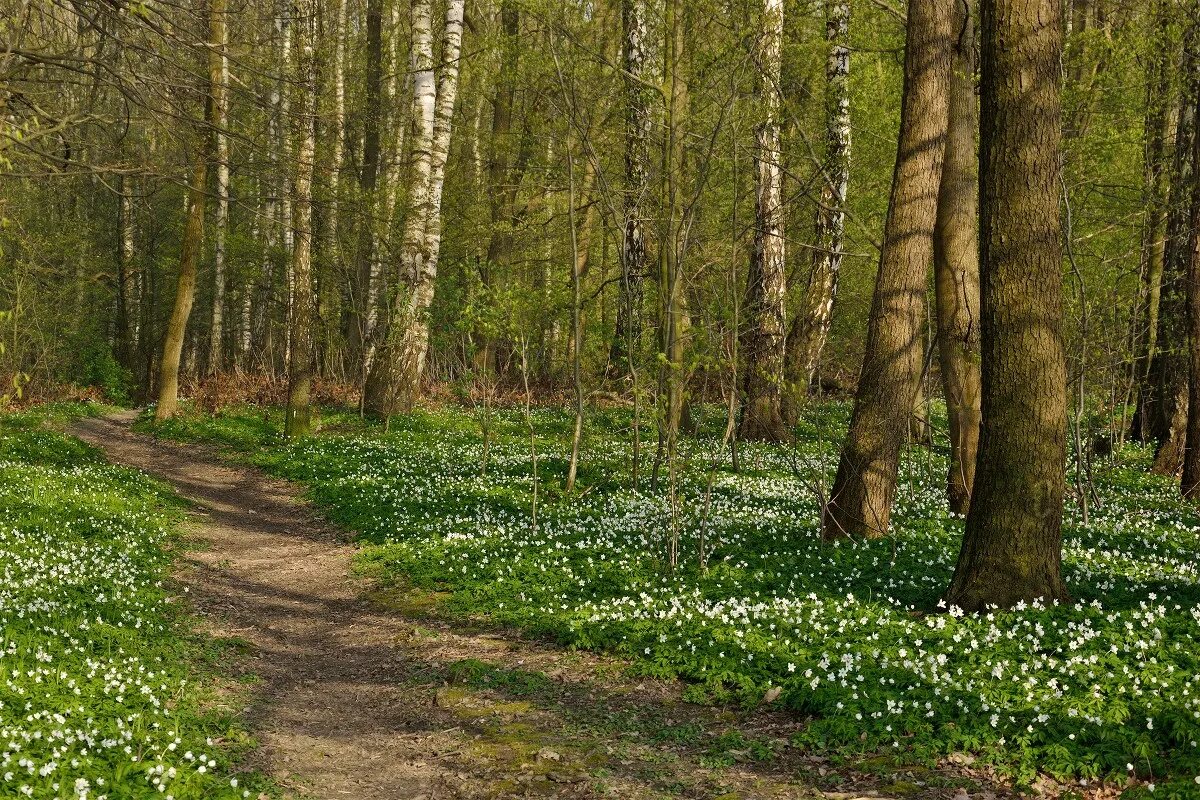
column 298, row 415
column 762, row 337
column 810, row 328
column 861, row 500
column 638, row 124
column 220, row 116
column 193, row 230
column 956, row 266
column 1012, row 549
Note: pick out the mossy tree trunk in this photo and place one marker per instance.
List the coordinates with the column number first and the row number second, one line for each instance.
column 861, row 500
column 1012, row 549
column 956, row 266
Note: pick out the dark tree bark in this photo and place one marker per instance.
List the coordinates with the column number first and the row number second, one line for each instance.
column 1158, row 102
column 1012, row 549
column 861, row 501
column 1169, row 363
column 1191, row 460
column 956, row 266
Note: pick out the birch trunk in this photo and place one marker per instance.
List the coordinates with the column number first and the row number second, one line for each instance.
column 1190, row 485
column 395, row 377
column 810, row 329
column 956, row 267
column 638, row 124
column 861, row 500
column 126, row 334
column 762, row 344
column 220, row 114
column 298, row 416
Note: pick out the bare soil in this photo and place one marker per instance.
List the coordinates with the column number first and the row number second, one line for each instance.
column 358, row 691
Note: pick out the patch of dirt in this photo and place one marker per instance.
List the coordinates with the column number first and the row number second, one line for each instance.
column 359, row 692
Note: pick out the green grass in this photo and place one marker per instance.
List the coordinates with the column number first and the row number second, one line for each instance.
column 102, row 682
column 850, row 635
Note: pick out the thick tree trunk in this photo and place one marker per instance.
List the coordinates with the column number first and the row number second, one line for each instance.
column 220, row 115
column 810, row 329
column 298, row 415
column 1169, row 363
column 395, row 379
column 861, row 501
column 638, row 122
column 1012, row 549
column 956, row 267
column 762, row 337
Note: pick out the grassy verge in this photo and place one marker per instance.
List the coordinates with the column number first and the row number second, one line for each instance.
column 102, row 683
column 1105, row 689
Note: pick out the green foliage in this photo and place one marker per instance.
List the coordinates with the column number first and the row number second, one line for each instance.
column 101, row 682
column 851, row 634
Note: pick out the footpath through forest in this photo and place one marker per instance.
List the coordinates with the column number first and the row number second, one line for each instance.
column 357, row 694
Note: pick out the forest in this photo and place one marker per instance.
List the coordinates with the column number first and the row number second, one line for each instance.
column 600, row 398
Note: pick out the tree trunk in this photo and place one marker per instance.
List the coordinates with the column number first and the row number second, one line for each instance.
column 638, row 122
column 1169, row 364
column 1191, row 459
column 362, row 318
column 956, row 267
column 126, row 296
column 193, row 239
column 1154, row 202
column 220, row 115
column 298, row 416
column 1012, row 549
column 861, row 501
column 395, row 378
column 810, row 329
column 502, row 188
column 762, row 338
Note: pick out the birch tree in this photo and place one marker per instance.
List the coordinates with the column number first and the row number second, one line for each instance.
column 762, row 337
column 810, row 329
column 395, row 377
column 220, row 117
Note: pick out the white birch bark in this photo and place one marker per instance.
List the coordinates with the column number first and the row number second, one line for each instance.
column 220, row 101
column 395, row 380
column 763, row 343
column 812, row 326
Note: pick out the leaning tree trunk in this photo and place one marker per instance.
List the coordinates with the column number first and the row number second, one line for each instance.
column 1012, row 549
column 762, row 337
column 193, row 239
column 298, row 416
column 1169, row 364
column 810, row 328
column 220, row 114
column 638, row 126
column 956, row 267
column 395, row 378
column 861, row 500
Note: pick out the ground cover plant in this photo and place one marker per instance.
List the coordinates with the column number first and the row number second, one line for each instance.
column 101, row 691
column 1102, row 689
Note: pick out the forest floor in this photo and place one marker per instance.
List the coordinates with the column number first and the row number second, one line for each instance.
column 357, row 693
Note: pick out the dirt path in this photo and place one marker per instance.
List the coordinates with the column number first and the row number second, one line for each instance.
column 357, row 694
